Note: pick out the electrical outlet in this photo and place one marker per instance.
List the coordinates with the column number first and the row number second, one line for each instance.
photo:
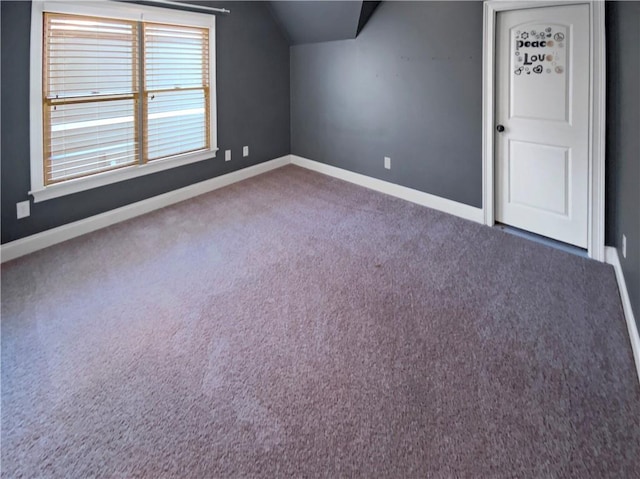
column 245, row 151
column 624, row 246
column 23, row 209
column 387, row 162
column 227, row 155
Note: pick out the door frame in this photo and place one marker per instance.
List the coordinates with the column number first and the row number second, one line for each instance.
column 597, row 107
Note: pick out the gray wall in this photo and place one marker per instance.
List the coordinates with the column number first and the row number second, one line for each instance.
column 311, row 22
column 253, row 109
column 623, row 139
column 409, row 87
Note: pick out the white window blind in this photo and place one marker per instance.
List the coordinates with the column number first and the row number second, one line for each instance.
column 118, row 93
column 176, row 80
column 90, row 95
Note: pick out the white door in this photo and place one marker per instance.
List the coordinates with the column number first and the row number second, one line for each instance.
column 542, row 121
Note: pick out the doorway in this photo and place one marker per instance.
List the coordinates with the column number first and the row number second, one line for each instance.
column 544, row 120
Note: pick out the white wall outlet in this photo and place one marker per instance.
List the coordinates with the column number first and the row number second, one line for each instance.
column 227, row 155
column 624, row 246
column 245, row 151
column 23, row 209
column 387, row 162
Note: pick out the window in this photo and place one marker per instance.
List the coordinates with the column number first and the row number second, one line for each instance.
column 122, row 90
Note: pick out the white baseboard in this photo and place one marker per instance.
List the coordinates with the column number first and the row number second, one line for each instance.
column 611, row 256
column 30, row 244
column 23, row 246
column 408, row 194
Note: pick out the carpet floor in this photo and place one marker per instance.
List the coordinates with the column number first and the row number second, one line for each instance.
column 297, row 325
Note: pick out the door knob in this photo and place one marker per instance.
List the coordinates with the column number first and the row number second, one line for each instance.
column 500, row 128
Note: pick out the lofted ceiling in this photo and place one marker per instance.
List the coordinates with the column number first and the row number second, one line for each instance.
column 322, row 21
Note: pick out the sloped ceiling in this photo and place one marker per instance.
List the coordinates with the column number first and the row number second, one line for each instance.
column 321, row 21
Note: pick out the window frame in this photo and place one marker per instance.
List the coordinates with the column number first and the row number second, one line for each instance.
column 118, row 10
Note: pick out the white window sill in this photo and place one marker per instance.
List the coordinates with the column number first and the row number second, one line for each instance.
column 109, row 177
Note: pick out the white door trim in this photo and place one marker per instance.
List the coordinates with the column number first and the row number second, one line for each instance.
column 595, row 234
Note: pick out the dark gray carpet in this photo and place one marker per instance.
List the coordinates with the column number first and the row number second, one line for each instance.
column 296, row 325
